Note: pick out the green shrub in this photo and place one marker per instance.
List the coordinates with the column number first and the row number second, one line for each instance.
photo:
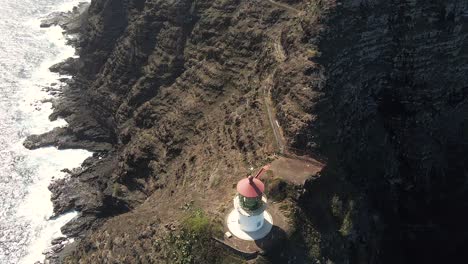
column 197, row 224
column 116, row 190
column 194, row 243
column 347, row 226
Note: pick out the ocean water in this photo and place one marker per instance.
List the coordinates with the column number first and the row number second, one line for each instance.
column 26, row 52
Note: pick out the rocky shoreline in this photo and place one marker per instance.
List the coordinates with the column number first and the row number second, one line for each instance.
column 80, row 191
column 171, row 96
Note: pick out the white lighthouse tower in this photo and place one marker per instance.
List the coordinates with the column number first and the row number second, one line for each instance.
column 249, row 219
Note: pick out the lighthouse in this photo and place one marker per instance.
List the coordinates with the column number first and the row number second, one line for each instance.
column 249, row 219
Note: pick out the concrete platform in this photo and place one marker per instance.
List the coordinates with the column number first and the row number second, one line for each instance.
column 296, row 171
column 234, row 227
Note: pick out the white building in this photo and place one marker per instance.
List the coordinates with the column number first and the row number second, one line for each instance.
column 249, row 219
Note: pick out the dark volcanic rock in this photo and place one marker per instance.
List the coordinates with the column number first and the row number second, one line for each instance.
column 51, row 138
column 69, row 66
column 178, row 90
column 70, row 21
column 85, row 189
column 79, row 226
column 58, row 240
column 55, row 19
column 65, row 138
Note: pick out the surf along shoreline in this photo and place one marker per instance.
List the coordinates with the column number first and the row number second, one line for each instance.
column 78, row 134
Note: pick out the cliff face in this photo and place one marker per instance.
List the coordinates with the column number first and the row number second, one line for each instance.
column 394, row 118
column 378, row 88
column 182, row 87
column 180, row 81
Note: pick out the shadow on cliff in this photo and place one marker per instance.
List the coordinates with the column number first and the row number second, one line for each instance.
column 404, row 173
column 280, row 248
column 408, row 204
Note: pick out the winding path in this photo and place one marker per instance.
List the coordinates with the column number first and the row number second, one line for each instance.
column 273, row 122
column 284, row 6
column 280, row 56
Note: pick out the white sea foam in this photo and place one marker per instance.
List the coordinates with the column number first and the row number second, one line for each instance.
column 28, row 230
column 68, row 5
column 34, row 98
column 26, row 52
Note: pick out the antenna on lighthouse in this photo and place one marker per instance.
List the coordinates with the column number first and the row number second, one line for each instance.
column 260, row 172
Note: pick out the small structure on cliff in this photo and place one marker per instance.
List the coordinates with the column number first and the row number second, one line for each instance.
column 249, row 219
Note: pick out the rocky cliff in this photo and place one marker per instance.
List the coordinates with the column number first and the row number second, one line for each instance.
column 174, row 97
column 393, row 115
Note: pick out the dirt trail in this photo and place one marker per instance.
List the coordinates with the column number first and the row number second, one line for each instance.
column 280, row 55
column 273, row 122
column 284, row 6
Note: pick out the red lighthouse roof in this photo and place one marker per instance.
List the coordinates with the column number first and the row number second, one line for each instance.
column 250, row 188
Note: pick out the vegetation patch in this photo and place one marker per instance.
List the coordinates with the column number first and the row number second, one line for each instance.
column 277, row 189
column 347, row 226
column 116, row 190
column 193, row 243
column 336, row 206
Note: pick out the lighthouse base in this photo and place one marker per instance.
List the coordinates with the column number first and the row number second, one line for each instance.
column 235, row 228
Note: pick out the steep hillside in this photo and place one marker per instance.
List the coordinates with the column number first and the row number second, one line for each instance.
column 180, row 89
column 394, row 117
